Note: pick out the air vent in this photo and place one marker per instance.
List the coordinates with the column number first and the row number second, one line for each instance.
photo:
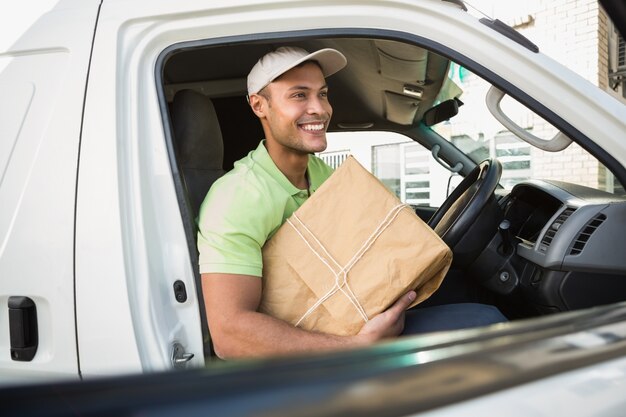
column 583, row 237
column 554, row 227
column 621, row 52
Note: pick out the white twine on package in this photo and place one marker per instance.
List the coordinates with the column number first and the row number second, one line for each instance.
column 341, row 273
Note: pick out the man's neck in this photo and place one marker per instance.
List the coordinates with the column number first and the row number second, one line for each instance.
column 292, row 164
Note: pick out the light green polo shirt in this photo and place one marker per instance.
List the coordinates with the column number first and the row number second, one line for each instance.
column 245, row 207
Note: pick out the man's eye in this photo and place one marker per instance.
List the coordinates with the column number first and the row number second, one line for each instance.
column 299, row 95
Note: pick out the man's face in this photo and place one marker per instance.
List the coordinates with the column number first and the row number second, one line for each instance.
column 297, row 110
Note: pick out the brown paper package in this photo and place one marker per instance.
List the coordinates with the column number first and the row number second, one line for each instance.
column 347, row 254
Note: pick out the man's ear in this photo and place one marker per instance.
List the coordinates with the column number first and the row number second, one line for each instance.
column 258, row 104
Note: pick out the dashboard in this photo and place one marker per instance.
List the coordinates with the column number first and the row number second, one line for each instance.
column 560, row 247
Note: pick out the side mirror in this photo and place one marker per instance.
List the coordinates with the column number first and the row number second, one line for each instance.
column 442, row 111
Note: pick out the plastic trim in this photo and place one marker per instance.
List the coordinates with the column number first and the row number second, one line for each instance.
column 557, row 143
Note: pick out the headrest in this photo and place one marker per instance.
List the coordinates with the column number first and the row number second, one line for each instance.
column 197, row 131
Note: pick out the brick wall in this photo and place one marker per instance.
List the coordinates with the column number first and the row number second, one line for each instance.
column 569, row 31
column 603, row 49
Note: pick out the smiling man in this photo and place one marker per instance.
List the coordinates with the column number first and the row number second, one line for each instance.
column 288, row 93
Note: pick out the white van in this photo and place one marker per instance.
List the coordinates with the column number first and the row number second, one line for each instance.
column 102, row 168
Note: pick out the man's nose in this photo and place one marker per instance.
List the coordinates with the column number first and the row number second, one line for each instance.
column 317, row 105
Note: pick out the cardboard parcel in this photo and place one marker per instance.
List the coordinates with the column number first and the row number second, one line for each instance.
column 348, row 253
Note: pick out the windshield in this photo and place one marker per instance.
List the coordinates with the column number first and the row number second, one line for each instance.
column 410, row 171
column 476, row 132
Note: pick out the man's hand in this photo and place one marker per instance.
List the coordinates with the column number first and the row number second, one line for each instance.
column 390, row 322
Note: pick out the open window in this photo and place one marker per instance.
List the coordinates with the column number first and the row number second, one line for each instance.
column 381, row 101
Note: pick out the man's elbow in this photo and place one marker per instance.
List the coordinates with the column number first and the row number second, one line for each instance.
column 223, row 350
column 226, row 344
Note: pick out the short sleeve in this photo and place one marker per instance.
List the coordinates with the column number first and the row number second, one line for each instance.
column 233, row 225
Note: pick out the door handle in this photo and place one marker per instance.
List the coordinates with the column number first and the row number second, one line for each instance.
column 23, row 330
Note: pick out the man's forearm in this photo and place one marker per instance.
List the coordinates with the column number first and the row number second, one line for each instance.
column 257, row 334
column 238, row 330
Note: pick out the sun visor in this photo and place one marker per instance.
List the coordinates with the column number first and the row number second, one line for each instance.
column 402, row 62
column 400, row 108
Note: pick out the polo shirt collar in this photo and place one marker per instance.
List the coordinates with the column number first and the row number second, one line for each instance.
column 263, row 158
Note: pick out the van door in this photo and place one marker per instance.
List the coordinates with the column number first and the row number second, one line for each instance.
column 42, row 85
column 132, row 256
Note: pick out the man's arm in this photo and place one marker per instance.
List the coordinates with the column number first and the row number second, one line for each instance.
column 239, row 330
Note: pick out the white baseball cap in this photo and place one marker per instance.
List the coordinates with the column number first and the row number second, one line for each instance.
column 274, row 64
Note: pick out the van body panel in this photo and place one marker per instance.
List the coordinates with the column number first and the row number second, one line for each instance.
column 42, row 82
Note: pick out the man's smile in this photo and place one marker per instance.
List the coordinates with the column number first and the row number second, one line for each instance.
column 313, row 127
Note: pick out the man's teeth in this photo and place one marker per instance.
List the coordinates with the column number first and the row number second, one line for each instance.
column 313, row 127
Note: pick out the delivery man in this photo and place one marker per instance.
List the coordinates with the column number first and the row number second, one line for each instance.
column 287, row 91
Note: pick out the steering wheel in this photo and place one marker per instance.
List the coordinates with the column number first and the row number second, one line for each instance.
column 463, row 206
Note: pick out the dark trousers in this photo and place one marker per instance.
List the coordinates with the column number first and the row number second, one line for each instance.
column 450, row 317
